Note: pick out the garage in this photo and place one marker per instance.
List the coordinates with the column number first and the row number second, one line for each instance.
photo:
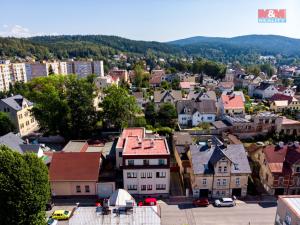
column 203, row 193
column 105, row 189
column 237, row 192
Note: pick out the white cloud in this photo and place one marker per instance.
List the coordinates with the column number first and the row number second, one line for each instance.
column 19, row 31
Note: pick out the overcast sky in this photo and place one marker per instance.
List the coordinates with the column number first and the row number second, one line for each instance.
column 158, row 20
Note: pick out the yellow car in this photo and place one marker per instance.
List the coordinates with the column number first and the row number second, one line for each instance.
column 61, row 215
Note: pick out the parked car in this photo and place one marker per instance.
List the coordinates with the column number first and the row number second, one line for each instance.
column 224, row 202
column 52, row 221
column 49, row 205
column 201, row 202
column 61, row 215
column 148, row 202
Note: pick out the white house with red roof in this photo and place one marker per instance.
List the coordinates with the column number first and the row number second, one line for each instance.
column 232, row 104
column 145, row 163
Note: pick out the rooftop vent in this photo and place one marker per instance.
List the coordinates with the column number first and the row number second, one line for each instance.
column 281, row 144
column 152, row 142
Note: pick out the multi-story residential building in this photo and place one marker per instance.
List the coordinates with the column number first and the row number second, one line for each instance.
column 288, row 210
column 18, row 108
column 63, row 69
column 219, row 170
column 5, row 78
column 279, row 168
column 193, row 113
column 70, row 67
column 83, row 68
column 265, row 90
column 145, row 163
column 98, row 68
column 37, row 70
column 18, row 72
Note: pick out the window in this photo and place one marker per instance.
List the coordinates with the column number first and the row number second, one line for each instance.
column 78, row 189
column 149, row 187
column 281, row 179
column 220, row 169
column 204, row 181
column 146, row 162
column 149, row 175
column 121, row 154
column 237, row 181
column 132, row 187
column 225, row 169
column 143, row 175
column 224, row 182
column 130, row 162
column 161, row 187
column 20, row 116
column 27, row 123
column 143, row 187
column 267, row 177
column 298, row 169
column 288, row 218
column 218, row 182
column 131, row 175
column 161, row 174
column 161, row 162
column 32, row 120
column 87, row 188
column 236, row 166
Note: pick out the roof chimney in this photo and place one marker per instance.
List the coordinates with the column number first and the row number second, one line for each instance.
column 152, row 143
column 281, row 144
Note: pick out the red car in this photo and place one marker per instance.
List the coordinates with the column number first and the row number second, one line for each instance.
column 148, row 202
column 201, row 202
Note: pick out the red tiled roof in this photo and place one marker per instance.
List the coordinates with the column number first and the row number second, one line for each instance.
column 75, row 166
column 279, row 97
column 158, row 146
column 186, row 84
column 130, row 132
column 232, row 102
column 155, row 79
column 287, row 121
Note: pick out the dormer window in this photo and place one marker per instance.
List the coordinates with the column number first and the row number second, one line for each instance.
column 236, row 166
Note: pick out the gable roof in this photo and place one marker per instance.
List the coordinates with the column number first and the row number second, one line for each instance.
column 203, row 159
column 75, row 166
column 226, row 84
column 160, row 95
column 202, row 106
column 279, row 97
column 12, row 141
column 263, row 86
column 16, row 102
column 197, row 95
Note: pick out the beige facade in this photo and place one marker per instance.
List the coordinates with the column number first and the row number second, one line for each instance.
column 65, row 188
column 222, row 184
column 22, row 118
column 18, row 72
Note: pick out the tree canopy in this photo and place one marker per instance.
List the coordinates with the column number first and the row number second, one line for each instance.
column 118, row 107
column 64, row 105
column 24, row 188
column 6, row 124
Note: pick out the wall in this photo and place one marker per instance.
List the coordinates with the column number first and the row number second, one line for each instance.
column 64, row 188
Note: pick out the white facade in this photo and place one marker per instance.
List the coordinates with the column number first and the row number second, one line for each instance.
column 147, row 181
column 266, row 93
column 196, row 118
column 4, row 77
column 63, row 70
column 18, row 72
column 98, row 68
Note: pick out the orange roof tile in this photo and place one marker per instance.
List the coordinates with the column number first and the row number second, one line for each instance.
column 232, row 102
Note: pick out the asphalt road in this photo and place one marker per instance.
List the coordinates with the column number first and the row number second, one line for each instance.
column 241, row 214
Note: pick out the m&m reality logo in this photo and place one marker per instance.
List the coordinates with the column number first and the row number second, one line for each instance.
column 272, row 15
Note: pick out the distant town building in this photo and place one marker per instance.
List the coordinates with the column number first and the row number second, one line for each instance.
column 288, row 210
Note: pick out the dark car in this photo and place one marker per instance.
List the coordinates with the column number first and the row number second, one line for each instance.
column 201, row 202
column 49, row 205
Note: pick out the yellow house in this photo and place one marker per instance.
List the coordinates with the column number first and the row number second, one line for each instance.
column 18, row 108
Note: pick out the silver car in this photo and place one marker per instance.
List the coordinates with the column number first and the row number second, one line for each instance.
column 222, row 202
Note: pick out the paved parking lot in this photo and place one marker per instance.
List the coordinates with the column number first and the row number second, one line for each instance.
column 68, row 207
column 242, row 214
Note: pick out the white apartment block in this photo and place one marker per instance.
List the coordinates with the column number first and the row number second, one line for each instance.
column 18, row 72
column 83, row 68
column 5, row 78
column 98, row 68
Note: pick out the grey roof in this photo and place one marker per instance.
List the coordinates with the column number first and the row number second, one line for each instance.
column 202, row 106
column 204, row 159
column 16, row 102
column 182, row 138
column 34, row 148
column 219, row 124
column 160, row 95
column 12, row 141
column 199, row 95
column 75, row 146
column 138, row 95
